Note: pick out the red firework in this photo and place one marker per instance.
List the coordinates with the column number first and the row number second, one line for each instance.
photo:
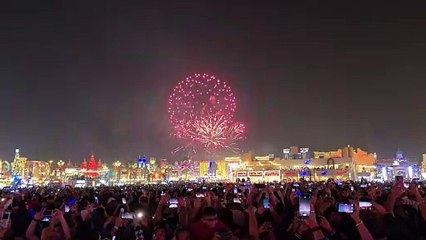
column 202, row 109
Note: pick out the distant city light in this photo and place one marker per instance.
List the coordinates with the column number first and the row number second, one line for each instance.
column 410, row 171
column 384, row 174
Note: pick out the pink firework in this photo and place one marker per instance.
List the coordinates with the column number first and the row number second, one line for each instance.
column 214, row 131
column 202, row 110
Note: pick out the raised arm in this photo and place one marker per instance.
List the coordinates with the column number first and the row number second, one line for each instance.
column 421, row 202
column 67, row 232
column 253, row 228
column 390, row 202
column 183, row 212
column 359, row 224
column 193, row 213
column 158, row 212
column 30, row 234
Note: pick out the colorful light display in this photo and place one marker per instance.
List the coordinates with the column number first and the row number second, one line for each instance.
column 202, row 111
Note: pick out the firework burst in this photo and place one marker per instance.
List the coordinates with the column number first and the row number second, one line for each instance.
column 201, row 110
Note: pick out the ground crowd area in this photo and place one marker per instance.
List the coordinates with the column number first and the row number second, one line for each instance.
column 218, row 211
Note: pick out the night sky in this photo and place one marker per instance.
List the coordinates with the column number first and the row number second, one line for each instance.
column 83, row 76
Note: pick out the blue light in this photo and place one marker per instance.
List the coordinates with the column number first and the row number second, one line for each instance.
column 142, row 161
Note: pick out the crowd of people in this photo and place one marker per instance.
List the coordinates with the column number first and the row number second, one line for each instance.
column 217, row 211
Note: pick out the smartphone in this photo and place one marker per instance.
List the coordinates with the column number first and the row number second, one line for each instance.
column 96, row 200
column 5, row 219
column 123, row 201
column 200, row 195
column 304, row 205
column 128, row 215
column 47, row 213
column 139, row 215
column 235, row 190
column 67, row 208
column 296, row 185
column 363, row 186
column 225, row 235
column 237, row 200
column 46, row 219
column 364, row 205
column 345, row 208
column 72, row 202
column 173, row 203
column 266, row 203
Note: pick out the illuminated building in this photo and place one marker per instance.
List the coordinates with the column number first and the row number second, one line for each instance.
column 204, row 168
column 257, row 168
column 424, row 167
column 5, row 168
column 399, row 166
column 295, row 153
column 18, row 164
column 38, row 171
column 221, row 169
column 164, row 163
column 187, row 170
column 232, row 164
column 345, row 163
column 93, row 169
column 331, row 154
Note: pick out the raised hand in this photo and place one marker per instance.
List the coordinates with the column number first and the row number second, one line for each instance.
column 266, row 227
column 197, row 203
column 164, row 199
column 323, row 222
column 355, row 215
column 38, row 216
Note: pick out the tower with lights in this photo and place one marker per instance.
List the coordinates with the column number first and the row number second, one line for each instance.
column 18, row 165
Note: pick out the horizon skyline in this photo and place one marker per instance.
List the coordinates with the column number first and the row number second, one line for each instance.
column 110, row 161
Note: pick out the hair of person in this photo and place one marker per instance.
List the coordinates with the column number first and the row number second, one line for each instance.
column 208, row 211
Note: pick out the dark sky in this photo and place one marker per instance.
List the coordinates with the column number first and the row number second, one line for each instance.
column 82, row 76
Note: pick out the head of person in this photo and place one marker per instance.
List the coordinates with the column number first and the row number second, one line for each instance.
column 160, row 233
column 54, row 231
column 182, row 234
column 209, row 217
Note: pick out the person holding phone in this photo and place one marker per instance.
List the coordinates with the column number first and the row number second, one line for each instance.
column 58, row 228
column 359, row 224
column 5, row 227
column 31, row 230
